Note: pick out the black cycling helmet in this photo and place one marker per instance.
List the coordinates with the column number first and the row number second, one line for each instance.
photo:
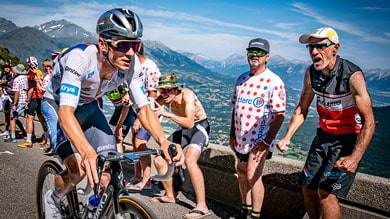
column 119, row 22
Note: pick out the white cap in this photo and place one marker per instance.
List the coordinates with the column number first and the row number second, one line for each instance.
column 321, row 33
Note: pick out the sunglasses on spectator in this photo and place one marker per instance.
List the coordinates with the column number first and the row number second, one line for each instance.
column 319, row 46
column 125, row 45
column 258, row 53
column 165, row 90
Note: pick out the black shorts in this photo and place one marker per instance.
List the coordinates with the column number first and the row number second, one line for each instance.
column 197, row 137
column 320, row 172
column 96, row 130
column 34, row 106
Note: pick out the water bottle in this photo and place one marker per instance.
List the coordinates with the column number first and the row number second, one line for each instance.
column 93, row 203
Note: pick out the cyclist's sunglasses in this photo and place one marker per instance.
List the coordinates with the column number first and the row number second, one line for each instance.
column 125, row 45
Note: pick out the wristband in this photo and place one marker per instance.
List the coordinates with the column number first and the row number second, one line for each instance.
column 266, row 143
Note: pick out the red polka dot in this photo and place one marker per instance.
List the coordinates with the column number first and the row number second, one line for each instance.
column 275, row 88
column 254, row 93
column 249, row 92
column 248, row 116
column 247, row 124
column 277, row 105
column 250, row 108
column 261, row 79
column 251, row 85
column 258, row 86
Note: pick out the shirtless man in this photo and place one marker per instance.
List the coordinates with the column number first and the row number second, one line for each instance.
column 192, row 134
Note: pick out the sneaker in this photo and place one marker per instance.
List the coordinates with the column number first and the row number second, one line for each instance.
column 10, row 140
column 5, row 133
column 25, row 144
column 42, row 141
column 52, row 210
column 44, row 147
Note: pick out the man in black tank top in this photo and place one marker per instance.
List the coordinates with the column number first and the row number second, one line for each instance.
column 346, row 124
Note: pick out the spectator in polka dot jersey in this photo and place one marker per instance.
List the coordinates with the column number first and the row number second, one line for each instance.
column 259, row 104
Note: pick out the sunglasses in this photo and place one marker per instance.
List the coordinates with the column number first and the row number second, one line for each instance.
column 165, row 90
column 319, row 46
column 258, row 53
column 125, row 45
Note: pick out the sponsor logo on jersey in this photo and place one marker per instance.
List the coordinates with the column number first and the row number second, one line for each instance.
column 69, row 89
column 90, row 75
column 330, row 104
column 257, row 102
column 71, row 70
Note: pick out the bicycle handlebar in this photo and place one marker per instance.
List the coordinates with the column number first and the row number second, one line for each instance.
column 132, row 158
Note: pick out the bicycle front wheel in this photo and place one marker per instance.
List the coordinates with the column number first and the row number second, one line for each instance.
column 130, row 207
column 45, row 182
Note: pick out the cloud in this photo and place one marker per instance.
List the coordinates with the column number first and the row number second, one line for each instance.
column 339, row 26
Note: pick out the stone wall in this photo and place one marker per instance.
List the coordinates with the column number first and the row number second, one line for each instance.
column 369, row 196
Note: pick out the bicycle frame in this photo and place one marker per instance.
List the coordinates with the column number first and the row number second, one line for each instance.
column 115, row 187
column 112, row 197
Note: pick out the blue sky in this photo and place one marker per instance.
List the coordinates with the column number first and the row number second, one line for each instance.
column 220, row 28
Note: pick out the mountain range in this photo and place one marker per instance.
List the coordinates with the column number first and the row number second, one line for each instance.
column 41, row 40
column 211, row 79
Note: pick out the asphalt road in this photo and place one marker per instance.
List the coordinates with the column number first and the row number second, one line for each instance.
column 18, row 171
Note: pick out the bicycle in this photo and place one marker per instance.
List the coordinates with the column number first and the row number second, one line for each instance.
column 116, row 201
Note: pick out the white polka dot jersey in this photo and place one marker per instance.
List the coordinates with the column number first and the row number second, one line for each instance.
column 255, row 99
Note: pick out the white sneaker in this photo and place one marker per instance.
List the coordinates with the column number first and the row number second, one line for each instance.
column 51, row 209
column 5, row 133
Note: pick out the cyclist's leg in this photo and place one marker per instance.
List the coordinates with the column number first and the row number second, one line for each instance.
column 99, row 133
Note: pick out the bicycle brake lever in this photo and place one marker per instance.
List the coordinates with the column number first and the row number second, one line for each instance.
column 99, row 167
column 171, row 167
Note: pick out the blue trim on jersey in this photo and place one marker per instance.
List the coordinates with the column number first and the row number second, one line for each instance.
column 81, row 46
column 69, row 89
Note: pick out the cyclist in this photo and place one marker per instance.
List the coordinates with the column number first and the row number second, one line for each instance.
column 84, row 73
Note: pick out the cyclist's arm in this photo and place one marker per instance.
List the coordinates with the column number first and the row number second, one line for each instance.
column 75, row 134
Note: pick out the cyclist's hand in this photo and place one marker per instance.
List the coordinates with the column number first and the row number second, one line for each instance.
column 88, row 163
column 179, row 153
column 179, row 158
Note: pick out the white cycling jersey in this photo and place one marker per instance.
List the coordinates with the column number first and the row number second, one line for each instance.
column 76, row 78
